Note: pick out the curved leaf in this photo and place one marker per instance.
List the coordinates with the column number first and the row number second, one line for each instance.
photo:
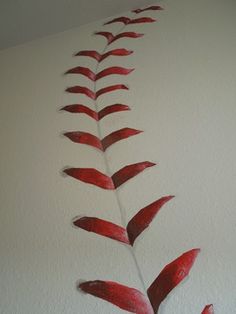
column 121, row 52
column 84, row 138
column 109, row 89
column 112, row 71
column 83, row 71
column 91, row 176
column 90, row 53
column 126, row 298
column 126, row 20
column 117, row 136
column 77, row 108
column 170, row 277
column 112, row 109
column 111, row 38
column 82, row 90
column 129, row 172
column 103, row 228
column 144, row 217
column 150, row 8
column 208, row 309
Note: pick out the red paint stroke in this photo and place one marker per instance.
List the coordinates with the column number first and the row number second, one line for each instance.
column 117, row 136
column 92, row 140
column 135, row 227
column 100, row 57
column 91, row 176
column 84, row 138
column 151, row 8
column 103, row 228
column 95, row 177
column 112, row 109
column 126, row 20
column 209, row 309
column 144, row 217
column 77, row 108
column 111, row 38
column 126, row 298
column 89, row 93
column 129, row 172
column 94, row 77
column 170, row 277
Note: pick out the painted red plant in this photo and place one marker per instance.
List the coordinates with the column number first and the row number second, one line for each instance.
column 127, row 298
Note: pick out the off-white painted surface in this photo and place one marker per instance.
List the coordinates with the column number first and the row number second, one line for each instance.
column 182, row 95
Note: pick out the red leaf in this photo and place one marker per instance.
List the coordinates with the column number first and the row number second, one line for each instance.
column 112, row 109
column 113, row 70
column 117, row 136
column 126, row 298
column 116, row 52
column 144, row 217
column 208, row 309
column 111, row 38
column 109, row 89
column 83, row 71
column 86, row 91
column 102, row 227
column 129, row 172
column 91, row 176
column 84, row 138
column 97, row 56
column 81, row 109
column 90, row 53
column 170, row 277
column 151, row 8
column 82, row 90
column 126, row 20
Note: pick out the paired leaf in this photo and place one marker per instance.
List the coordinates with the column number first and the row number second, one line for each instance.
column 92, row 140
column 150, row 8
column 111, row 38
column 208, row 309
column 126, row 20
column 170, row 277
column 94, row 95
column 103, row 228
column 126, row 298
column 77, row 108
column 95, row 177
column 135, row 227
column 144, row 217
column 94, row 77
column 100, row 57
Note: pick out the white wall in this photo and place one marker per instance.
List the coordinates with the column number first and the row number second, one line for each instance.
column 182, row 95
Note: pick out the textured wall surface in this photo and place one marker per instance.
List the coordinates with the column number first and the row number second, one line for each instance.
column 182, row 95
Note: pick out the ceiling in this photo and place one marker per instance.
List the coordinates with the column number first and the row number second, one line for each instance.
column 25, row 20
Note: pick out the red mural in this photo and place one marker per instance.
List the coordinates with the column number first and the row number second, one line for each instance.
column 130, row 299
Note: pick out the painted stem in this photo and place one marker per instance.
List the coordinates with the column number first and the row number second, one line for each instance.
column 108, row 170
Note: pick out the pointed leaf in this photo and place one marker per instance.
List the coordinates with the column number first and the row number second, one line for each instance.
column 91, row 176
column 84, row 138
column 111, row 38
column 129, row 172
column 112, row 71
column 117, row 136
column 150, row 8
column 81, row 90
column 81, row 109
column 103, row 228
column 90, row 53
column 112, row 109
column 144, row 217
column 116, row 52
column 126, row 298
column 109, row 89
column 209, row 309
column 83, row 71
column 170, row 277
column 126, row 20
